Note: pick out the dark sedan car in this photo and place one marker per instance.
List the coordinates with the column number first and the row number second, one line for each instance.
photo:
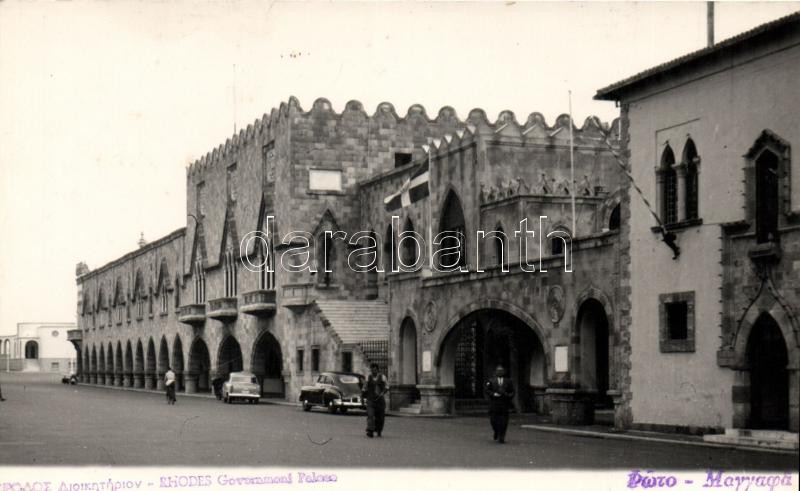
column 335, row 391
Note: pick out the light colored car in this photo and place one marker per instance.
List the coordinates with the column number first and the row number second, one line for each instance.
column 243, row 386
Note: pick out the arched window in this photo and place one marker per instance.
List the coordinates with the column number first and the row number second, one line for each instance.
column 388, row 250
column 767, row 197
column 31, row 350
column 231, row 274
column 199, row 282
column 177, row 292
column 669, row 187
column 613, row 219
column 453, row 224
column 409, row 246
column 559, row 239
column 372, row 273
column 500, row 246
column 326, row 259
column 266, row 273
column 690, row 160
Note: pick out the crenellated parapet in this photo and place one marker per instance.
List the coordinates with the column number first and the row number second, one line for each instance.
column 534, row 129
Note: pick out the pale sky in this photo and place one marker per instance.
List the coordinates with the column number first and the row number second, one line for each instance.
column 103, row 104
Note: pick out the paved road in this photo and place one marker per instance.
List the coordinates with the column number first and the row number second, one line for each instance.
column 44, row 422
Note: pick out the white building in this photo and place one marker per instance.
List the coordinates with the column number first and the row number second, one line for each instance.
column 38, row 347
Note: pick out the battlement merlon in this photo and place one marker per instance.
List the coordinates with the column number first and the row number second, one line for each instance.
column 535, row 127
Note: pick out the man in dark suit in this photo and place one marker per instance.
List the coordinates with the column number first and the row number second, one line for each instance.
column 500, row 391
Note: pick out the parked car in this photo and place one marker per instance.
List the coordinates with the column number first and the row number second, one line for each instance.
column 243, row 386
column 336, row 391
column 69, row 379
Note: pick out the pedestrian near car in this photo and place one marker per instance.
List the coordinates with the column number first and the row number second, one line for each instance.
column 500, row 391
column 375, row 388
column 1, row 394
column 169, row 382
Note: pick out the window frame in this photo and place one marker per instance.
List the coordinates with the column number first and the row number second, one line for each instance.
column 666, row 343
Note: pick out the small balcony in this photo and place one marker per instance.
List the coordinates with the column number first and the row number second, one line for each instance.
column 75, row 336
column 297, row 296
column 193, row 314
column 223, row 308
column 259, row 302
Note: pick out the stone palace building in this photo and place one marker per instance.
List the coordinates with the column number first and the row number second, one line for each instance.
column 192, row 301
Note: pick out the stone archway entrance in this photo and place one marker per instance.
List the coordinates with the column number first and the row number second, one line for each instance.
column 197, row 380
column 177, row 364
column 767, row 358
column 163, row 363
column 268, row 365
column 477, row 344
column 230, row 357
column 593, row 332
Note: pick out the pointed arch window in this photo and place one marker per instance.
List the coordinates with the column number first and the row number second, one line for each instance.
column 768, row 186
column 388, row 250
column 454, row 225
column 614, row 218
column 668, row 184
column 199, row 282
column 691, row 160
column 409, row 249
column 231, row 274
column 266, row 272
column 326, row 259
column 177, row 292
column 500, row 246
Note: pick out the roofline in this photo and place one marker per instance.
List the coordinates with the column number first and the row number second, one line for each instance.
column 130, row 255
column 615, row 91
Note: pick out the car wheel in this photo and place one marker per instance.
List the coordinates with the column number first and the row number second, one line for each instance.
column 306, row 406
column 343, row 410
column 331, row 407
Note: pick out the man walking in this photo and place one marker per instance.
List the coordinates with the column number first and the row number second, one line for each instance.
column 1, row 394
column 169, row 381
column 500, row 390
column 374, row 390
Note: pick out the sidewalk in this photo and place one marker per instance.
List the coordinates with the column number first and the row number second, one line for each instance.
column 609, row 432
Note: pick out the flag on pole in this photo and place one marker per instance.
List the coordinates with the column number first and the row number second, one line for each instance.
column 414, row 189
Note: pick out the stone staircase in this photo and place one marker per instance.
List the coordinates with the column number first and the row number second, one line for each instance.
column 776, row 439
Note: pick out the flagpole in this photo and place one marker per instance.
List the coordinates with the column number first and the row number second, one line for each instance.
column 430, row 213
column 572, row 164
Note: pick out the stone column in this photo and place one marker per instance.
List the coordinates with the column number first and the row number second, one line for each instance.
column 794, row 398
column 138, row 380
column 120, row 379
column 160, row 382
column 128, row 380
column 680, row 171
column 191, row 383
column 149, row 384
column 109, row 379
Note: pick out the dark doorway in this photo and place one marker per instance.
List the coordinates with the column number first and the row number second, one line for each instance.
column 594, row 347
column 268, row 365
column 230, row 358
column 769, row 378
column 177, row 364
column 32, row 350
column 481, row 341
column 200, row 364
